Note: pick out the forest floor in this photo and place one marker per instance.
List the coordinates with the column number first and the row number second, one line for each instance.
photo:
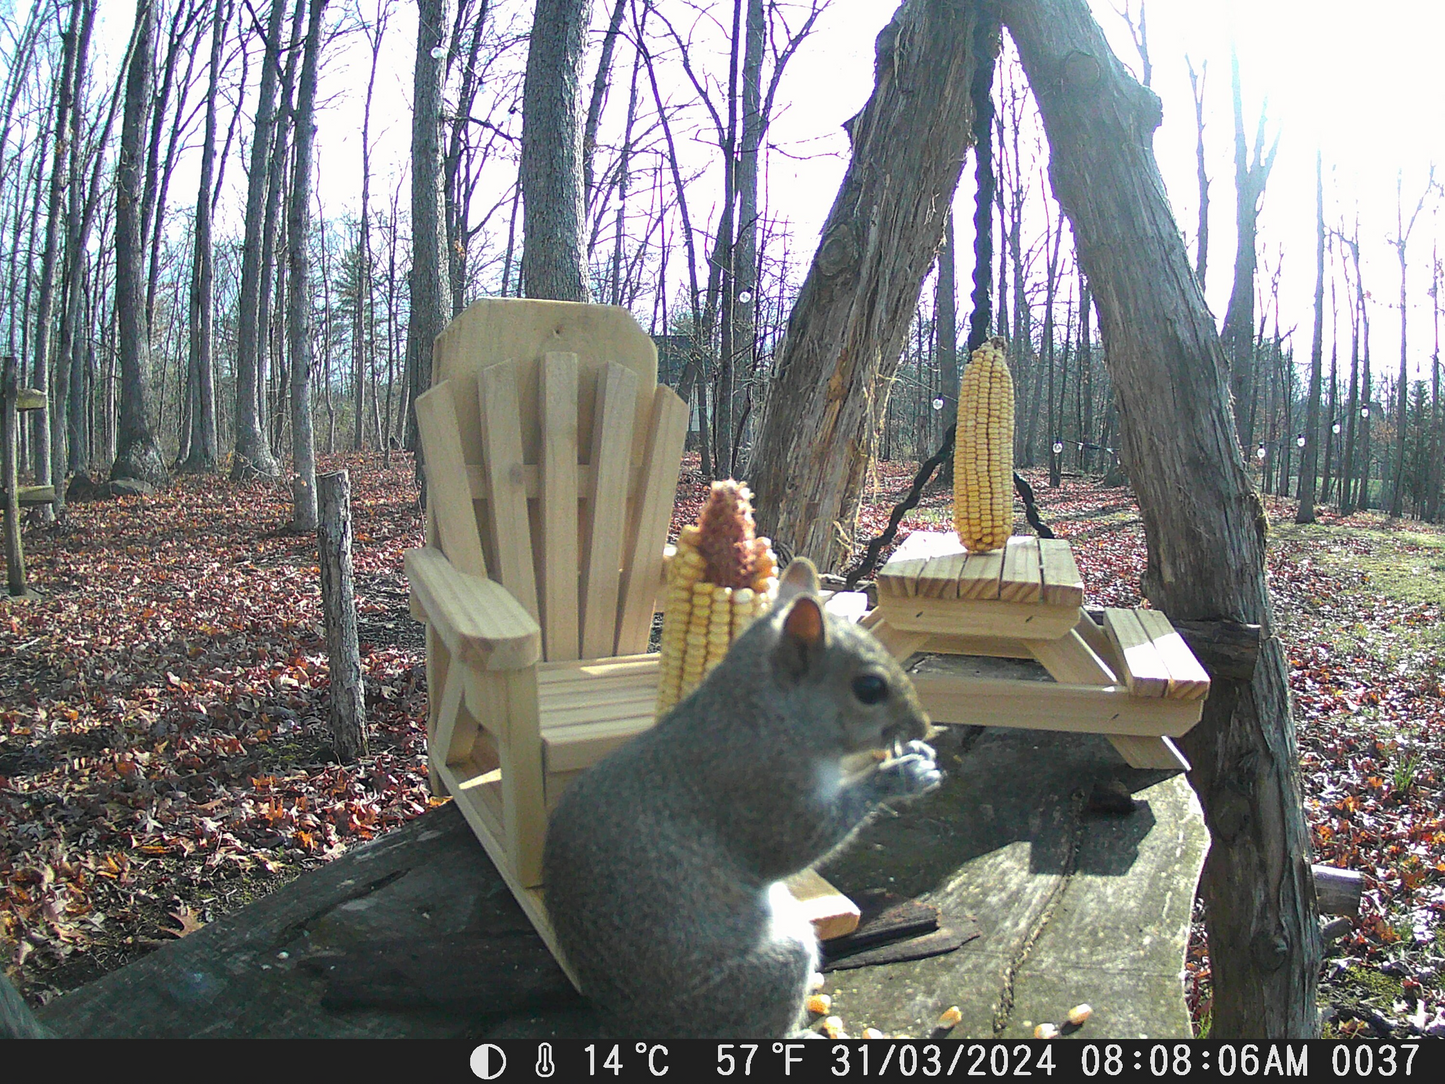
column 164, row 756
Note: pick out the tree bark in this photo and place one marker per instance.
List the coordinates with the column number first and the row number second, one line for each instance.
column 1309, row 462
column 338, row 605
column 298, row 296
column 137, row 456
column 853, row 312
column 253, row 457
column 1206, row 552
column 551, row 166
column 431, row 302
column 1402, row 238
column 1201, row 251
column 202, row 452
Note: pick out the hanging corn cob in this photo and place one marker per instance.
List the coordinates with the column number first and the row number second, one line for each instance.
column 983, row 450
column 719, row 580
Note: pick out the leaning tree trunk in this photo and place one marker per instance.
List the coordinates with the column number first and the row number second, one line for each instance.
column 1309, row 460
column 137, row 455
column 853, row 313
column 431, row 302
column 298, row 292
column 551, row 168
column 1203, row 521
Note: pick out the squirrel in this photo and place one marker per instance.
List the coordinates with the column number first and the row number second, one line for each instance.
column 664, row 862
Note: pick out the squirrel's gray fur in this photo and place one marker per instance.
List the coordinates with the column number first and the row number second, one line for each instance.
column 663, row 862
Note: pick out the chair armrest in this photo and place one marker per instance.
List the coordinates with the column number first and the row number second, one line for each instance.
column 478, row 619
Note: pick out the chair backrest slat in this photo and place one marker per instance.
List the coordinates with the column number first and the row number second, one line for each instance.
column 607, row 508
column 557, row 563
column 642, row 570
column 507, row 518
column 449, row 496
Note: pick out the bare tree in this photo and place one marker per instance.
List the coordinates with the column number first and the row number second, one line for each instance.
column 1251, row 174
column 1308, row 461
column 1201, row 251
column 137, row 456
column 1403, row 230
column 430, row 289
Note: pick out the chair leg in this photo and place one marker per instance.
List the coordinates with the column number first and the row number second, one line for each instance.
column 524, row 807
column 438, row 662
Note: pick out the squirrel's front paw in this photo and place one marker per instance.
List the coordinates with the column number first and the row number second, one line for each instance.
column 911, row 773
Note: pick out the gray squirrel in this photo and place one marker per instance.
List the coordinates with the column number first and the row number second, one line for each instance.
column 664, row 862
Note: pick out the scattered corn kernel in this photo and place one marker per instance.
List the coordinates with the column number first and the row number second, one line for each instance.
column 817, row 981
column 833, row 1028
column 1079, row 1013
column 819, row 1004
column 950, row 1017
column 873, row 1033
column 1046, row 1031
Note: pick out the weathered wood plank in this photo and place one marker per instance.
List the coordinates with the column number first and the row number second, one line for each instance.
column 980, row 576
column 1062, row 584
column 1021, row 580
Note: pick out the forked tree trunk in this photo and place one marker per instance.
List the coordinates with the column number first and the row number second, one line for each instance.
column 1203, row 521
column 137, row 456
column 853, row 313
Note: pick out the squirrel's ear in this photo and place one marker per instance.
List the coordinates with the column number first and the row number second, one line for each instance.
column 799, row 578
column 803, row 636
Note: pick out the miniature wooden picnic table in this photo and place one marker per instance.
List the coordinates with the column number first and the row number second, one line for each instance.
column 1131, row 677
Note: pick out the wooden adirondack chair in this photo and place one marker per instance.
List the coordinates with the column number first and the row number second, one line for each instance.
column 551, row 461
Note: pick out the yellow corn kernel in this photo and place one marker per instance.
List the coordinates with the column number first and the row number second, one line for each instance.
column 983, row 450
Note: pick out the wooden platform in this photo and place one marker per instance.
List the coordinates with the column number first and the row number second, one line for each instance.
column 1131, row 678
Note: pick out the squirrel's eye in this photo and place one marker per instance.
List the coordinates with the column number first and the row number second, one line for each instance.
column 870, row 689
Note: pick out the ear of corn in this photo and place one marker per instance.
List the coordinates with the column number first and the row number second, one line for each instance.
column 983, row 450
column 720, row 579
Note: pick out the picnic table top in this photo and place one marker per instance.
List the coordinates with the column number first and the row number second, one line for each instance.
column 1057, row 899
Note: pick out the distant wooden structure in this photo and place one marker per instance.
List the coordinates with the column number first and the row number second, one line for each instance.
column 1133, row 678
column 552, row 459
column 15, row 400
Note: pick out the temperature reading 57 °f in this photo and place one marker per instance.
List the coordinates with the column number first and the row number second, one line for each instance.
column 728, row 1063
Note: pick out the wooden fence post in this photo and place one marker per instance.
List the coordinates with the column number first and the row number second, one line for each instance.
column 338, row 602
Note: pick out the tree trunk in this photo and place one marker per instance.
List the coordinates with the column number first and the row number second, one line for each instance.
column 1308, row 460
column 338, row 605
column 253, row 457
column 1402, row 238
column 431, row 302
column 137, row 456
column 852, row 314
column 298, row 297
column 945, row 309
column 1250, row 178
column 1205, row 554
column 202, row 452
column 1201, row 252
column 551, row 165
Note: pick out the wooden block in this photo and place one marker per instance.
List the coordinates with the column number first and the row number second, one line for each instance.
column 1062, row 584
column 1187, row 679
column 29, row 399
column 1096, row 709
column 450, row 500
column 1070, row 661
column 959, row 617
column 510, row 526
column 831, row 913
column 30, row 494
column 980, row 576
column 1021, row 580
column 1144, row 671
column 607, row 508
column 1140, row 752
column 1338, row 891
column 557, row 571
column 918, row 566
column 651, row 514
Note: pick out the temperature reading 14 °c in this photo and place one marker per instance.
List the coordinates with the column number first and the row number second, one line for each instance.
column 655, row 1058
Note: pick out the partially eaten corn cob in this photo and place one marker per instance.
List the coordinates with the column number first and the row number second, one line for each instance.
column 983, row 450
column 721, row 577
